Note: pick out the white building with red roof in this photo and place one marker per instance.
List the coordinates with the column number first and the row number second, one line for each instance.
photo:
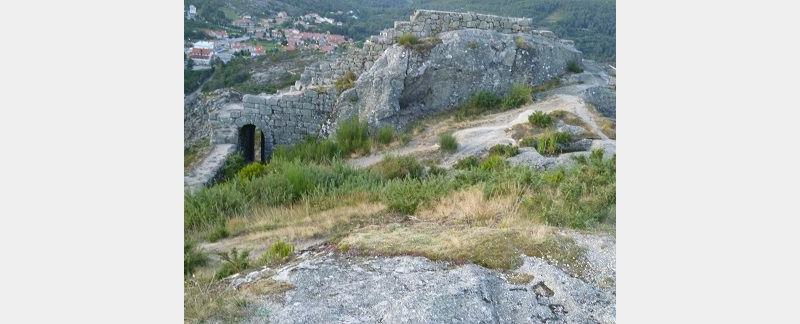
column 202, row 56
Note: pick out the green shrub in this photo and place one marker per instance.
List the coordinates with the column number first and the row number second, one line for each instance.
column 493, row 162
column 485, row 100
column 219, row 232
column 252, row 170
column 579, row 197
column 192, row 258
column 312, row 150
column 527, row 141
column 574, row 67
column 472, row 45
column 550, row 143
column 233, row 262
column 346, row 81
column 448, row 143
column 386, row 135
column 540, row 119
column 212, row 206
column 519, row 95
column 407, row 195
column 435, row 170
column 300, row 180
column 504, row 150
column 407, row 40
column 352, row 136
column 405, row 138
column 233, row 164
column 392, row 167
column 467, row 163
column 279, row 252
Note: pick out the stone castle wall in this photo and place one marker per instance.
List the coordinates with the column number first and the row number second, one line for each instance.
column 286, row 118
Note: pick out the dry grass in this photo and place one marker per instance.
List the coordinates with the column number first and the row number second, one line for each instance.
column 466, row 227
column 267, row 286
column 607, row 126
column 208, row 300
column 193, row 154
column 572, row 119
column 470, row 207
column 297, row 223
column 489, row 247
column 520, row 278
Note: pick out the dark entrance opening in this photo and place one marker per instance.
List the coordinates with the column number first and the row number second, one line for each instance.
column 252, row 144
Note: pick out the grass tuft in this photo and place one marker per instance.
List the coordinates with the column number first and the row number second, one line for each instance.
column 352, row 136
column 278, row 253
column 540, row 119
column 550, row 143
column 504, row 150
column 448, row 143
column 386, row 135
column 407, row 40
column 519, row 95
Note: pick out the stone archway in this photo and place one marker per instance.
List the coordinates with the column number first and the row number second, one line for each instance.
column 254, row 143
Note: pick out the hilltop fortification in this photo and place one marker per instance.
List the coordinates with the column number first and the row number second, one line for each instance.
column 472, row 52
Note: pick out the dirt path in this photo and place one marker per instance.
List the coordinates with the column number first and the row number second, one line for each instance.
column 476, row 136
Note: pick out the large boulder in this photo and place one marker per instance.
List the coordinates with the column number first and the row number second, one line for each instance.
column 405, row 83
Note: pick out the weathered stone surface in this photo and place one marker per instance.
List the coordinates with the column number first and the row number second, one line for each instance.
column 197, row 109
column 406, row 84
column 332, row 288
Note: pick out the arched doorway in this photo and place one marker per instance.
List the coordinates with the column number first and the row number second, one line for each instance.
column 254, row 146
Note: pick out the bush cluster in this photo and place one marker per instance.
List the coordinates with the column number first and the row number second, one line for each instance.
column 574, row 67
column 580, row 197
column 392, row 167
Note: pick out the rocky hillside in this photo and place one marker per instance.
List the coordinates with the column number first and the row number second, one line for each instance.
column 410, row 82
column 478, row 184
